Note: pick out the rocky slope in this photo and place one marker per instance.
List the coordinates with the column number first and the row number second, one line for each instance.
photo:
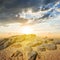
column 29, row 47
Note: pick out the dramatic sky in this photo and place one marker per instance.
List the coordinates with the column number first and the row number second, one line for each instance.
column 42, row 15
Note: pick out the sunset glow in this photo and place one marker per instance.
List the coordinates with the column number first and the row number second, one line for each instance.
column 27, row 30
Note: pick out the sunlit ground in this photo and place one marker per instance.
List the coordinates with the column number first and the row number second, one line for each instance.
column 28, row 44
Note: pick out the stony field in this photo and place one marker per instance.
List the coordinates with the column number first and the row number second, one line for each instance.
column 29, row 47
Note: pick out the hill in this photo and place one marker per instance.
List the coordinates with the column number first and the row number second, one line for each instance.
column 29, row 47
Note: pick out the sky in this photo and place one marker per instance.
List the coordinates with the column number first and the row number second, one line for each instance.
column 41, row 15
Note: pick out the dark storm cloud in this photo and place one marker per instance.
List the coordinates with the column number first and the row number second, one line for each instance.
column 8, row 8
column 11, row 4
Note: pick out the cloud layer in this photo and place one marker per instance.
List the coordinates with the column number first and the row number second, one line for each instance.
column 9, row 8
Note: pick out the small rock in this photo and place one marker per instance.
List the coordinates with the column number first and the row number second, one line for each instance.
column 41, row 48
column 32, row 55
column 50, row 46
column 56, row 41
column 17, row 55
column 6, row 43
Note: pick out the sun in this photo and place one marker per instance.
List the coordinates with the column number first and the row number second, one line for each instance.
column 27, row 30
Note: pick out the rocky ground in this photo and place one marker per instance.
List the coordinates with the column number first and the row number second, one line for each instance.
column 29, row 47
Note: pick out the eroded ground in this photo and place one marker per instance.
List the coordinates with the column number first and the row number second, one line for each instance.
column 29, row 47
